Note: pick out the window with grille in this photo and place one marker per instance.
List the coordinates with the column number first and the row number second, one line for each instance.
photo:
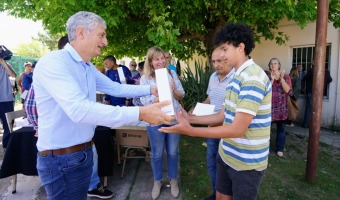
column 304, row 56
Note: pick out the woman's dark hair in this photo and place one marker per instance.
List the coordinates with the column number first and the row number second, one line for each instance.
column 235, row 34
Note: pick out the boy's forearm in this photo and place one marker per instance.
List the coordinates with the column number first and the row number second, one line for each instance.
column 206, row 120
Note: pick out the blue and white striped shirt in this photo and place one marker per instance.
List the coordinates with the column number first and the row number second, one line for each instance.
column 217, row 88
column 249, row 92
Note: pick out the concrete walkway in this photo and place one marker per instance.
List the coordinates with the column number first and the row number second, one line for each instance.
column 326, row 136
column 137, row 181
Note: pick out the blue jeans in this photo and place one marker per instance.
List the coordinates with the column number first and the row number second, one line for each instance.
column 94, row 176
column 308, row 109
column 280, row 135
column 4, row 108
column 212, row 149
column 158, row 142
column 66, row 176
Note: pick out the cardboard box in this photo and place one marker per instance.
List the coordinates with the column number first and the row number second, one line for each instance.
column 132, row 137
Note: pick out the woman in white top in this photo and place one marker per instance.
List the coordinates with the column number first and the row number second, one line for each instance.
column 155, row 59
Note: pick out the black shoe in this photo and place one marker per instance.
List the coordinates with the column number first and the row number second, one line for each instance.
column 100, row 192
column 212, row 197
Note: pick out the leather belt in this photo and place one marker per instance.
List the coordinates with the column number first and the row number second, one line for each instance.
column 67, row 150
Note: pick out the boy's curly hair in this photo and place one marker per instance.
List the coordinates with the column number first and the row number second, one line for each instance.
column 235, row 34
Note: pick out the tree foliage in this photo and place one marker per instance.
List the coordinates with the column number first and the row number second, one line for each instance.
column 34, row 49
column 184, row 27
column 49, row 40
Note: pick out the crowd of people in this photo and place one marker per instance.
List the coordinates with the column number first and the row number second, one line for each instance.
column 247, row 101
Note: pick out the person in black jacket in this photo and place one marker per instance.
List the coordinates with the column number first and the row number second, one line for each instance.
column 308, row 79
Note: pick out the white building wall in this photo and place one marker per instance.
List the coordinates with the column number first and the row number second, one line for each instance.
column 264, row 51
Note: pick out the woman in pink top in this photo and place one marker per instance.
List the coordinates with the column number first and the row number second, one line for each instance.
column 281, row 88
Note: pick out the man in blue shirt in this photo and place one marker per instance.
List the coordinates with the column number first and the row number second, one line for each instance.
column 65, row 84
column 112, row 73
column 27, row 78
column 95, row 188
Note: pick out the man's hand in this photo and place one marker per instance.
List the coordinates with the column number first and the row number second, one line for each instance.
column 154, row 90
column 183, row 126
column 185, row 114
column 9, row 69
column 190, row 111
column 154, row 115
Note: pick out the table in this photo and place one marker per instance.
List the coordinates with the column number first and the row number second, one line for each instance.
column 21, row 154
column 104, row 141
column 132, row 137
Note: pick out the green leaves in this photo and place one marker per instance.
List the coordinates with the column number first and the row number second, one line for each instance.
column 184, row 27
column 162, row 33
column 195, row 84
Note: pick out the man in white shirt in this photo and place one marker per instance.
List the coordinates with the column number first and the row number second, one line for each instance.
column 65, row 85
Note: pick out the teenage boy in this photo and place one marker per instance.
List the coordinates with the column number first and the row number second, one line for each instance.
column 243, row 151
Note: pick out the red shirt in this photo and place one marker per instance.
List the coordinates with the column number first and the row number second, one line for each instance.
column 279, row 99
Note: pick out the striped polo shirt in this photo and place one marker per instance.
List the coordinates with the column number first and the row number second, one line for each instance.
column 216, row 89
column 249, row 92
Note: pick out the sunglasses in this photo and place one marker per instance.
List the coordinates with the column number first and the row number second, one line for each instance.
column 133, row 65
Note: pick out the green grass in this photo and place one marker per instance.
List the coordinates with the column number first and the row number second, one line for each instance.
column 195, row 181
column 285, row 177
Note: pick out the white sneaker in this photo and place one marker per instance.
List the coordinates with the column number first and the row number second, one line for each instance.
column 156, row 190
column 290, row 125
column 174, row 188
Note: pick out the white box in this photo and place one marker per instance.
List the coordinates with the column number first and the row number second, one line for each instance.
column 202, row 109
column 121, row 75
column 164, row 90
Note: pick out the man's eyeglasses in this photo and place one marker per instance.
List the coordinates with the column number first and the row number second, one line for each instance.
column 134, row 65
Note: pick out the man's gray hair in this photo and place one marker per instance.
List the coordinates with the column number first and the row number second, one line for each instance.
column 86, row 20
